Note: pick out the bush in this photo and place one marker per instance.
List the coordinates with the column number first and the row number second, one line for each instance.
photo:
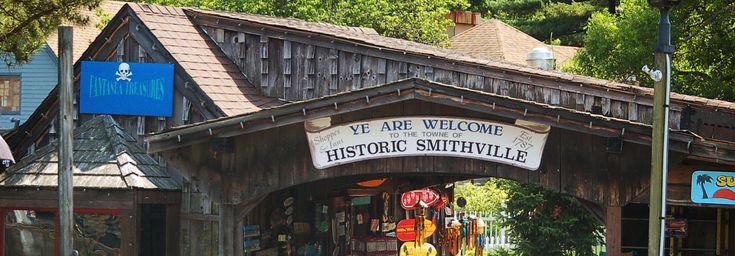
column 543, row 222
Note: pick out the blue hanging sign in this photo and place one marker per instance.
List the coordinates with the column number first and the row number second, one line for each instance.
column 711, row 187
column 121, row 88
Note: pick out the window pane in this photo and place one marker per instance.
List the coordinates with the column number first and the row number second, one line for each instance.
column 29, row 233
column 9, row 93
column 97, row 234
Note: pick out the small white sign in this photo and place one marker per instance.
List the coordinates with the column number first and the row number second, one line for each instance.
column 426, row 136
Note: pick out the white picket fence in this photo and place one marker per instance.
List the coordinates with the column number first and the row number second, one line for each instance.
column 496, row 235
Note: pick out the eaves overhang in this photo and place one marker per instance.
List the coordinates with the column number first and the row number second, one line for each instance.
column 681, row 141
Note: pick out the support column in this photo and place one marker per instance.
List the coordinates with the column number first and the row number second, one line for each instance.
column 660, row 136
column 613, row 224
column 66, row 136
column 226, row 230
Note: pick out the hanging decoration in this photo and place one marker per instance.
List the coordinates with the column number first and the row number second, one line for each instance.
column 422, row 228
column 372, row 183
column 411, row 199
column 406, row 229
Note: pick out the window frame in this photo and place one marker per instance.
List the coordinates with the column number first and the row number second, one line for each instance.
column 20, row 92
column 55, row 211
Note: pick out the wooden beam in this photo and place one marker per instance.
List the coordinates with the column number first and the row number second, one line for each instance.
column 227, row 229
column 613, row 234
column 286, row 115
column 173, row 228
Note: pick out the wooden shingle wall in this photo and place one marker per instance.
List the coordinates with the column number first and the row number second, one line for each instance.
column 297, row 65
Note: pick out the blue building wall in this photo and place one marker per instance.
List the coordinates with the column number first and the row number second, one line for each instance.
column 38, row 77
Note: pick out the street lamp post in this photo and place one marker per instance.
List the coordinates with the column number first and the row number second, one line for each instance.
column 660, row 134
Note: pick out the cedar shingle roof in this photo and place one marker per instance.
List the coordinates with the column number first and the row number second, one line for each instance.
column 85, row 34
column 217, row 76
column 496, row 40
column 104, row 157
column 316, row 27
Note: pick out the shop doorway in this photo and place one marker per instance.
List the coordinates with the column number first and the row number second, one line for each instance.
column 153, row 230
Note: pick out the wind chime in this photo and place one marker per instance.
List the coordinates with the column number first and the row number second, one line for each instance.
column 413, row 232
column 465, row 234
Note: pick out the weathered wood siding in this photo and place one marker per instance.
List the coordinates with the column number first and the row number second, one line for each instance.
column 287, row 61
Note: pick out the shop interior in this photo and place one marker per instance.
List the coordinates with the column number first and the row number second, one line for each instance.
column 362, row 215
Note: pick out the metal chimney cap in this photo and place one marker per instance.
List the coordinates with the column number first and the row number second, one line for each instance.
column 541, row 53
column 541, row 57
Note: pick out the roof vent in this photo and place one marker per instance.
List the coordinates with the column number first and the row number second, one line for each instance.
column 541, row 57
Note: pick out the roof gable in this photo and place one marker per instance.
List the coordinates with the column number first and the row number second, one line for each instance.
column 215, row 74
column 104, row 157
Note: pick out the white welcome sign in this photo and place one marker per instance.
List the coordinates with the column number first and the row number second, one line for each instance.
column 517, row 145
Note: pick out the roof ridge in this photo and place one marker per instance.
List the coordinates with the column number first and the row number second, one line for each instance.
column 499, row 38
column 502, row 23
column 120, row 146
column 264, row 19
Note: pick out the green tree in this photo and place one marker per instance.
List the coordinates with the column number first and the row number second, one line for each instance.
column 617, row 46
column 485, row 198
column 25, row 25
column 416, row 20
column 546, row 20
column 544, row 222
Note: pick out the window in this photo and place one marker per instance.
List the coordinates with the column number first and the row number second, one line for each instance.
column 34, row 232
column 9, row 94
column 29, row 232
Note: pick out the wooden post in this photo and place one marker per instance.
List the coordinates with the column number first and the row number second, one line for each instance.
column 66, row 184
column 226, row 229
column 613, row 223
column 718, row 235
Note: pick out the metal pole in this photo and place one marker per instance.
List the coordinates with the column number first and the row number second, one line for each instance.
column 660, row 138
column 66, row 189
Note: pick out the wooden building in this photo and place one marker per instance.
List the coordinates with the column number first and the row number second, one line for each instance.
column 246, row 86
column 125, row 202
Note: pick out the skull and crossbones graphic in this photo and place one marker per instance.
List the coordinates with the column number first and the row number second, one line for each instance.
column 123, row 72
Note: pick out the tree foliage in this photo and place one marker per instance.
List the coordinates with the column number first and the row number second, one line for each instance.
column 543, row 222
column 549, row 21
column 617, row 46
column 416, row 20
column 485, row 198
column 25, row 25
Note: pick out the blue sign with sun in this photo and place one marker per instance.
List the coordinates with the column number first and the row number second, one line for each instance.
column 713, row 187
column 121, row 88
